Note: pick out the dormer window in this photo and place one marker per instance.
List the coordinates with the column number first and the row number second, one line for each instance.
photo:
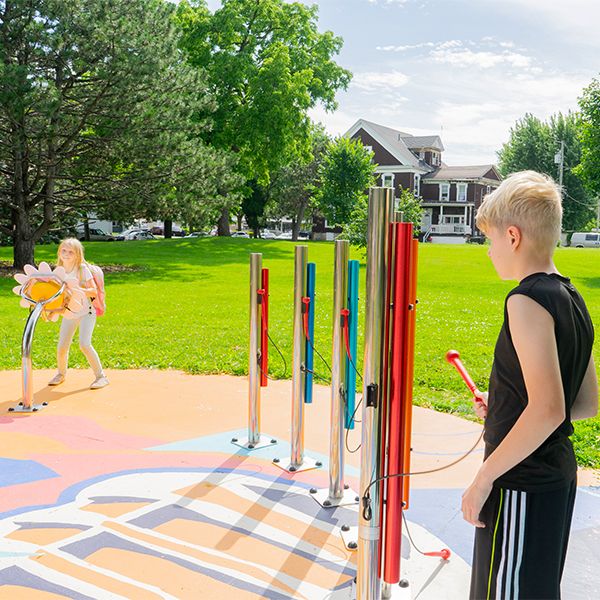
column 387, row 180
column 421, row 155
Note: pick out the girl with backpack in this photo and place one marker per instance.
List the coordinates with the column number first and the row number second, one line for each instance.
column 70, row 256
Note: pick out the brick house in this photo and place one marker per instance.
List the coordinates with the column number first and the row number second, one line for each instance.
column 450, row 195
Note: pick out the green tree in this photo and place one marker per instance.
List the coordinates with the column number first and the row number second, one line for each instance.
column 294, row 185
column 408, row 204
column 267, row 65
column 589, row 169
column 95, row 114
column 345, row 174
column 533, row 144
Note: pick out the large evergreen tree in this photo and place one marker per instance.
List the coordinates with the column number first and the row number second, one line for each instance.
column 95, row 107
column 267, row 65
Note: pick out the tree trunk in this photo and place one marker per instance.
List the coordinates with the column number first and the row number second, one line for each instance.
column 239, row 217
column 86, row 229
column 297, row 221
column 23, row 244
column 168, row 228
column 223, row 224
column 257, row 232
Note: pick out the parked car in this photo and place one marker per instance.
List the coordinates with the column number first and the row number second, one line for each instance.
column 196, row 234
column 140, row 235
column 240, row 234
column 157, row 230
column 125, row 235
column 585, row 240
column 268, row 235
column 286, row 235
column 96, row 235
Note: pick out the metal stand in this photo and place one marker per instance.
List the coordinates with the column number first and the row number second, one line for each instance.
column 297, row 461
column 254, row 440
column 338, row 494
column 26, row 405
column 381, row 206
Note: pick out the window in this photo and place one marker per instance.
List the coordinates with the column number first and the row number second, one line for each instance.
column 422, row 155
column 444, row 192
column 417, row 185
column 461, row 192
column 387, row 180
column 434, row 159
column 591, row 237
column 454, row 220
column 488, row 189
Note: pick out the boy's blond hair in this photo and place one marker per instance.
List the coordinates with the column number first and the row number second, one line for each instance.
column 75, row 245
column 529, row 200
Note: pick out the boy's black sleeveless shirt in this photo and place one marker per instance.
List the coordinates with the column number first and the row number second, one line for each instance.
column 553, row 464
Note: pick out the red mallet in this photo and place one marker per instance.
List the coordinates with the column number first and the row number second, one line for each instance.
column 444, row 553
column 453, row 357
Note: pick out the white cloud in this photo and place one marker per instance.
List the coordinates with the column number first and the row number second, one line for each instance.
column 377, row 80
column 404, row 48
column 399, row 2
column 464, row 57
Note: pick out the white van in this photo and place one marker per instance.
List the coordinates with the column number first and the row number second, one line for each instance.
column 585, row 240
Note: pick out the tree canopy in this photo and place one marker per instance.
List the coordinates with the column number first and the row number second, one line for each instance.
column 95, row 114
column 533, row 144
column 590, row 136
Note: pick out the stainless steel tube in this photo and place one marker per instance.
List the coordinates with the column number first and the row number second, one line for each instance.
column 338, row 372
column 299, row 350
column 253, row 357
column 26, row 365
column 381, row 206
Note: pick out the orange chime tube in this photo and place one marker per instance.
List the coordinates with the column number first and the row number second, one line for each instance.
column 399, row 368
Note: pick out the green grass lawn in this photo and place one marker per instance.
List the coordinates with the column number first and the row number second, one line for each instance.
column 187, row 308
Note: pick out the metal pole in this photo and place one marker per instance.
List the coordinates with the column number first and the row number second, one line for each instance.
column 381, row 206
column 338, row 494
column 26, row 364
column 299, row 349
column 338, row 372
column 297, row 461
column 254, row 440
column 253, row 356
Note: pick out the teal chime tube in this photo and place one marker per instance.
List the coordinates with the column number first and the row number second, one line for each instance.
column 353, row 267
column 309, row 307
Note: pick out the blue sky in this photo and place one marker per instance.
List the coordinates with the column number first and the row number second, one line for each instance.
column 462, row 69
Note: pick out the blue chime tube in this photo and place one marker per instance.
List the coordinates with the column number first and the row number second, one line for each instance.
column 353, row 269
column 311, row 276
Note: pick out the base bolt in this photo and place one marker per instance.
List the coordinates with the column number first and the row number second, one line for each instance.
column 275, row 460
column 403, row 583
column 345, row 527
column 352, row 545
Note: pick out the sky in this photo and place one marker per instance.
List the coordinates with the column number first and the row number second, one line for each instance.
column 466, row 70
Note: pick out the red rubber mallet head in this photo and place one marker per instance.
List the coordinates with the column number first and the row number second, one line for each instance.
column 453, row 357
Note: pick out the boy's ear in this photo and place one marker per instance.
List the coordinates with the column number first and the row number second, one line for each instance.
column 514, row 236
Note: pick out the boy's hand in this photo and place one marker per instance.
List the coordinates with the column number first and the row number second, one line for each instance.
column 480, row 401
column 473, row 500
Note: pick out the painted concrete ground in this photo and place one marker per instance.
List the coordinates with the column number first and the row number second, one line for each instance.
column 136, row 491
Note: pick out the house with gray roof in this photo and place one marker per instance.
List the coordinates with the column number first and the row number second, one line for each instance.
column 450, row 195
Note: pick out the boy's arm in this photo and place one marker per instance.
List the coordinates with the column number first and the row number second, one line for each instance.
column 585, row 405
column 532, row 332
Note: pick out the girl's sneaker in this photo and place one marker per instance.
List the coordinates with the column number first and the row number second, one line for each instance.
column 100, row 382
column 57, row 379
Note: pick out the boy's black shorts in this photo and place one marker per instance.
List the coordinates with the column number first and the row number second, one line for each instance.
column 520, row 554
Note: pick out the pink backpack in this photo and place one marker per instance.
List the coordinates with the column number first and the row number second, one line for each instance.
column 99, row 302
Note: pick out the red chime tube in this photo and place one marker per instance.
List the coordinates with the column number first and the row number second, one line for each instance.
column 264, row 329
column 412, row 323
column 397, row 400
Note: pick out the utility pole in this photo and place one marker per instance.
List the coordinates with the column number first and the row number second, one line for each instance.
column 559, row 159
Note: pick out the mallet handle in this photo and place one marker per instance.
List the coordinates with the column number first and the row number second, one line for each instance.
column 453, row 357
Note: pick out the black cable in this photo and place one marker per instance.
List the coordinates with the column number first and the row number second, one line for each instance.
column 318, row 353
column 366, row 498
column 280, row 354
column 315, row 375
column 410, row 536
column 348, row 430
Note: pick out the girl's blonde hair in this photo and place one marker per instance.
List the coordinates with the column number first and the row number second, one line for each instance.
column 529, row 200
column 75, row 245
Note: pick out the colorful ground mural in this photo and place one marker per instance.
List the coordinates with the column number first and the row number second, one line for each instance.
column 135, row 491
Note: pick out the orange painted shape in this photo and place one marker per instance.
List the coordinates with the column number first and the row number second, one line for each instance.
column 114, row 509
column 16, row 592
column 100, row 580
column 43, row 535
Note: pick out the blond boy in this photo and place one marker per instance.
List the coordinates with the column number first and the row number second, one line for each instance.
column 543, row 377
